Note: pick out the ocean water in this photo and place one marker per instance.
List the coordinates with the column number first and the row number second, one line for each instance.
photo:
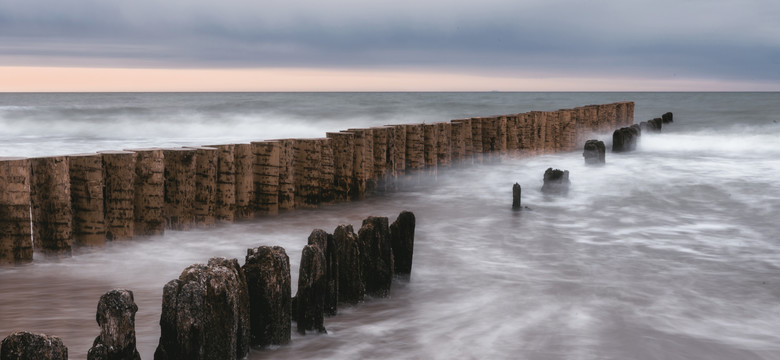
column 669, row 252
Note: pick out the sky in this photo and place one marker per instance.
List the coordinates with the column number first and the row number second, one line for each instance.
column 394, row 45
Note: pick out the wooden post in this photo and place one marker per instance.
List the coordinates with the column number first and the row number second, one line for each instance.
column 206, row 160
column 363, row 163
column 245, row 183
column 225, row 202
column 444, row 144
column 512, row 138
column 415, row 148
column 86, row 193
column 52, row 215
column 327, row 171
column 149, row 200
column 431, row 139
column 458, row 142
column 15, row 235
column 607, row 115
column 568, row 130
column 180, row 168
column 266, row 177
column 286, row 174
column 308, row 166
column 476, row 140
column 551, row 132
column 343, row 161
column 119, row 196
column 397, row 165
column 380, row 152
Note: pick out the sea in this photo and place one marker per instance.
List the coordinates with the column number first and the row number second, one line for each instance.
column 668, row 252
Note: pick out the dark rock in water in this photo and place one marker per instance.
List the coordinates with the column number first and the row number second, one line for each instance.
column 330, row 249
column 667, row 118
column 625, row 139
column 594, row 152
column 352, row 286
column 402, row 242
column 378, row 256
column 312, row 286
column 23, row 345
column 655, row 125
column 556, row 181
column 516, row 193
column 205, row 313
column 116, row 318
column 267, row 271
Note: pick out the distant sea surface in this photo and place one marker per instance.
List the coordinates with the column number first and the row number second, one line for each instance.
column 668, row 252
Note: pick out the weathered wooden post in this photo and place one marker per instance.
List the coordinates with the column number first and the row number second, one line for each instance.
column 180, row 168
column 312, row 285
column 86, row 193
column 52, row 215
column 15, row 244
column 266, row 177
column 327, row 244
column 363, row 165
column 457, row 142
column 245, row 181
column 225, row 202
column 667, row 117
column 444, row 144
column 116, row 318
column 402, row 242
column 206, row 160
column 308, row 166
column 205, row 313
column 377, row 256
column 606, row 117
column 23, row 345
column 149, row 191
column 267, row 271
column 415, row 149
column 380, row 152
column 352, row 285
column 512, row 135
column 431, row 139
column 343, row 161
column 594, row 152
column 568, row 130
column 119, row 198
column 327, row 171
column 476, row 140
column 466, row 130
column 286, row 174
column 556, row 182
column 398, row 163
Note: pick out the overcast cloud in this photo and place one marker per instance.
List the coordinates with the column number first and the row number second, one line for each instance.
column 732, row 40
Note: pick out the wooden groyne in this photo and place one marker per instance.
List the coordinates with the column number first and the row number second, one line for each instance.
column 86, row 199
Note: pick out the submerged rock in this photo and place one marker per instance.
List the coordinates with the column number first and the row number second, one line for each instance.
column 378, row 256
column 267, row 271
column 205, row 313
column 312, row 287
column 116, row 318
column 556, row 182
column 23, row 345
column 402, row 242
column 594, row 152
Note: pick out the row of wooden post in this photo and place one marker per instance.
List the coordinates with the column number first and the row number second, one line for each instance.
column 51, row 204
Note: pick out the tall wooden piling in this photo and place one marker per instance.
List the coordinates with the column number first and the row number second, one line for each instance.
column 119, row 197
column 308, row 166
column 286, row 174
column 180, row 169
column 206, row 160
column 15, row 235
column 512, row 138
column 149, row 191
column 363, row 165
column 52, row 215
column 327, row 171
column 430, row 142
column 444, row 144
column 397, row 148
column 266, row 177
column 86, row 193
column 415, row 148
column 457, row 142
column 343, row 146
column 466, row 131
column 225, row 202
column 476, row 140
column 245, row 181
column 380, row 152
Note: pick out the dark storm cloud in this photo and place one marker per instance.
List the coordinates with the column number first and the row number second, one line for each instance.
column 736, row 40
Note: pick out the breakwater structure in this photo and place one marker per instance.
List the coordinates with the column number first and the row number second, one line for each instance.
column 49, row 205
